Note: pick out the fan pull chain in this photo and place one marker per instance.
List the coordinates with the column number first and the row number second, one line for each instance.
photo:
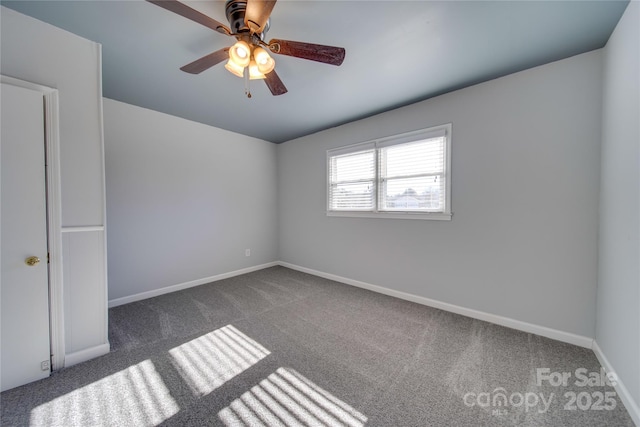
column 246, row 82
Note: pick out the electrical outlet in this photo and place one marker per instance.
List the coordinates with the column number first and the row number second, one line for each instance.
column 45, row 365
column 247, row 252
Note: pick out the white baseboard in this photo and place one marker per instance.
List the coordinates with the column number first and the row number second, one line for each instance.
column 86, row 354
column 555, row 334
column 173, row 288
column 621, row 389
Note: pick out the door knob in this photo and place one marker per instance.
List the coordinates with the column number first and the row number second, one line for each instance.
column 32, row 260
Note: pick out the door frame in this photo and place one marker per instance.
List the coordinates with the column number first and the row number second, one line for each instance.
column 54, row 214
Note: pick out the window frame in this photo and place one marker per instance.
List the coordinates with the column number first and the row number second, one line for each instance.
column 393, row 140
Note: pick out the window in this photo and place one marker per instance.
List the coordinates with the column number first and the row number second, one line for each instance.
column 401, row 176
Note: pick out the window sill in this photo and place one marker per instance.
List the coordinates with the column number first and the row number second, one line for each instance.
column 439, row 216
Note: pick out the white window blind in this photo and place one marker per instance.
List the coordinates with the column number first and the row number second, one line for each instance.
column 412, row 176
column 352, row 179
column 401, row 176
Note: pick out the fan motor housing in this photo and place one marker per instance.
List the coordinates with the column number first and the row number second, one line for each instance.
column 235, row 11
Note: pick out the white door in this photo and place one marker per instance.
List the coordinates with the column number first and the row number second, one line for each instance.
column 24, row 288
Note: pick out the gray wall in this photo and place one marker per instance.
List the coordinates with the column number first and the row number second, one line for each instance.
column 184, row 200
column 43, row 54
column 523, row 239
column 618, row 310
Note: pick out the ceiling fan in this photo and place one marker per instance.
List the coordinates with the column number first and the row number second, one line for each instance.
column 248, row 57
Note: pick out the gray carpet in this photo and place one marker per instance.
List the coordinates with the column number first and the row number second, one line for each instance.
column 280, row 347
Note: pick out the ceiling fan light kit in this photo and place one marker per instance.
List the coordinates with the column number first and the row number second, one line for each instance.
column 249, row 22
column 241, row 56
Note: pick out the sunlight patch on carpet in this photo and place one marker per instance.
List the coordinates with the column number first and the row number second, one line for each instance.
column 209, row 361
column 134, row 396
column 286, row 398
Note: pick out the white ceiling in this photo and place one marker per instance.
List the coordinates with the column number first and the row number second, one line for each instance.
column 398, row 52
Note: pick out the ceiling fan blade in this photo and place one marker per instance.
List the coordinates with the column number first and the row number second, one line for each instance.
column 274, row 84
column 189, row 13
column 257, row 14
column 314, row 52
column 206, row 62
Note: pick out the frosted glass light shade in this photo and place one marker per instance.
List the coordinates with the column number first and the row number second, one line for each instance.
column 264, row 61
column 240, row 54
column 254, row 71
column 234, row 68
